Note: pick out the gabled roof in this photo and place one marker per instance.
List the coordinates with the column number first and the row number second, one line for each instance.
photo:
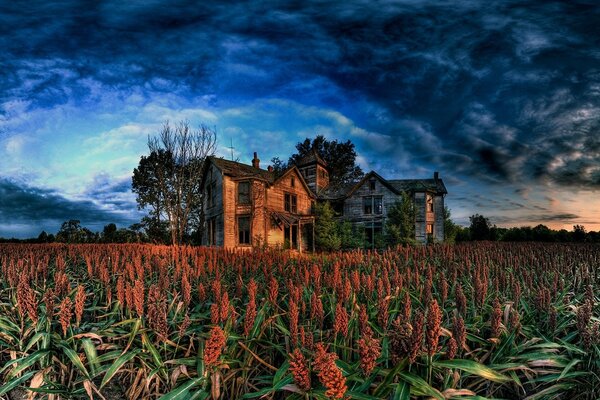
column 395, row 185
column 368, row 177
column 302, row 180
column 311, row 158
column 238, row 170
column 419, row 185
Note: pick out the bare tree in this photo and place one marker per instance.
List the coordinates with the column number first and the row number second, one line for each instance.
column 178, row 181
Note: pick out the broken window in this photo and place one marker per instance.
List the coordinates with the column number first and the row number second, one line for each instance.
column 244, row 193
column 290, row 203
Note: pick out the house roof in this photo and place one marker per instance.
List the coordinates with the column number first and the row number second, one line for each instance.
column 395, row 185
column 311, row 158
column 244, row 171
column 238, row 170
column 419, row 185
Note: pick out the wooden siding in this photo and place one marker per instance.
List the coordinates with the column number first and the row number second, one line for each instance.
column 420, row 217
column 275, row 200
column 438, row 226
column 353, row 205
column 215, row 211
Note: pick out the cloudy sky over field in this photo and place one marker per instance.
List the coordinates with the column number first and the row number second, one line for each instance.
column 501, row 97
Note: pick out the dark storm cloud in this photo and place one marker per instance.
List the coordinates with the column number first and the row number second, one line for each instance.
column 499, row 91
column 39, row 209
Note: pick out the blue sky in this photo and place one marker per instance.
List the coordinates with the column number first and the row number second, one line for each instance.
column 501, row 97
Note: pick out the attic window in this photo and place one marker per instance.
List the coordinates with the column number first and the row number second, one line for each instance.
column 372, row 184
column 293, row 182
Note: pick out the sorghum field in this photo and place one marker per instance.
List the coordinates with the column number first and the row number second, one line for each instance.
column 491, row 320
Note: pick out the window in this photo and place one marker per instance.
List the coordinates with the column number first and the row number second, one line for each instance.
column 212, row 231
column 243, row 192
column 293, row 182
column 211, row 194
column 368, row 205
column 373, row 205
column 430, row 229
column 429, row 203
column 244, row 229
column 290, row 203
column 372, row 185
column 378, row 204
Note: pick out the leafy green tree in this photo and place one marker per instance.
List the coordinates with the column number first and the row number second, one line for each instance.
column 339, row 156
column 400, row 224
column 327, row 237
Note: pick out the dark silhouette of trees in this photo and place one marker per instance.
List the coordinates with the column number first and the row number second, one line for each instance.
column 480, row 228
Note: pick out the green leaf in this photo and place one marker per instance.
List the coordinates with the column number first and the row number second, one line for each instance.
column 419, row 387
column 10, row 385
column 114, row 368
column 91, row 354
column 24, row 363
column 150, row 347
column 280, row 372
column 474, row 368
column 360, row 396
column 385, row 387
column 182, row 392
column 568, row 368
column 402, row 391
column 74, row 357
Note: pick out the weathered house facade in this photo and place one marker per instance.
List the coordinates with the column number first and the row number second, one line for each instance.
column 246, row 205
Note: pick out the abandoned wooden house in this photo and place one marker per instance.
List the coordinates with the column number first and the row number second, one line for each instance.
column 248, row 206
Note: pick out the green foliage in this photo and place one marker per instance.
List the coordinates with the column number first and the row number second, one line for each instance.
column 400, row 224
column 327, row 236
column 450, row 228
column 350, row 238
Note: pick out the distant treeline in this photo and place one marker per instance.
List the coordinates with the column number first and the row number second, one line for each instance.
column 482, row 229
column 72, row 232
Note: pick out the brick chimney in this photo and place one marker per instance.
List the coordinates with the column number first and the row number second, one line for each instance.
column 436, row 175
column 255, row 161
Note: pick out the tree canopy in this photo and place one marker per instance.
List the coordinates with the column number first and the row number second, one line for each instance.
column 339, row 156
column 167, row 182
